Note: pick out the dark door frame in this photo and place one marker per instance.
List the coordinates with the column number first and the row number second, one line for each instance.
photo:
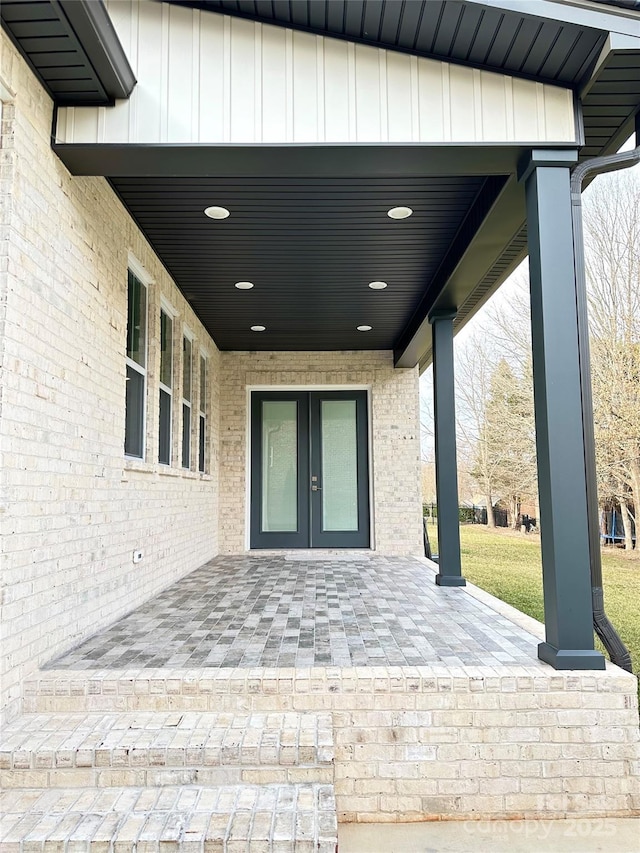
column 259, row 538
column 341, row 539
column 309, row 533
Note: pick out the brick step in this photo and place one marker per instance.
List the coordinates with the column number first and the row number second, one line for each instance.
column 166, row 748
column 232, row 690
column 258, row 818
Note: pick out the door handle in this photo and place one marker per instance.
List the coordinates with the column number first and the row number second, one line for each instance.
column 315, row 488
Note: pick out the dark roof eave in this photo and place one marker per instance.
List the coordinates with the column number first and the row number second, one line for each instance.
column 95, row 31
column 609, row 17
column 83, row 40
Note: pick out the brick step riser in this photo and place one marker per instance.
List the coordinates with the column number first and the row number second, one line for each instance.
column 179, row 704
column 153, row 757
column 108, row 777
column 235, row 704
column 184, row 818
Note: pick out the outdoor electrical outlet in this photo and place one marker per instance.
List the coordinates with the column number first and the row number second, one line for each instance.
column 137, row 556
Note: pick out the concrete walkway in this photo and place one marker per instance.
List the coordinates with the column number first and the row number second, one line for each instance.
column 576, row 835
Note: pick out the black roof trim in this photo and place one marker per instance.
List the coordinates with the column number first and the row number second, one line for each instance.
column 72, row 47
column 632, row 5
column 93, row 26
column 302, row 160
column 611, row 99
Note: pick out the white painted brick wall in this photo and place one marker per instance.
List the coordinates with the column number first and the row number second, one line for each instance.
column 437, row 761
column 72, row 509
column 395, row 431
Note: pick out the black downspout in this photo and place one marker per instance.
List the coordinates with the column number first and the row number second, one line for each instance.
column 617, row 650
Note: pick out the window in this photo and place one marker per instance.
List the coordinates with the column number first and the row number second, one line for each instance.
column 166, row 377
column 203, row 414
column 186, row 401
column 136, row 362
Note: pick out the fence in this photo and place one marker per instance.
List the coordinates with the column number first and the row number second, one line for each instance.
column 611, row 526
column 478, row 515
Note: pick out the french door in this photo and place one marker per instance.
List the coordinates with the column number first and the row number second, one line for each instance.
column 309, row 469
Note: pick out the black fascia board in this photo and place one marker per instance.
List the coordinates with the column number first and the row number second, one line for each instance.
column 300, row 160
column 101, row 99
column 615, row 19
column 93, row 27
column 98, row 49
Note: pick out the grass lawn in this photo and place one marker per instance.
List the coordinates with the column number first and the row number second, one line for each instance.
column 507, row 564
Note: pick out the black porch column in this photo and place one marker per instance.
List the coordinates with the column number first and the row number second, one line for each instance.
column 444, row 412
column 558, row 412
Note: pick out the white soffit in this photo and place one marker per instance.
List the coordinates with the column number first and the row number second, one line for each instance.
column 210, row 79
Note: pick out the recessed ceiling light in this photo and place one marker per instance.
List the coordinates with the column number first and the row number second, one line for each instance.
column 377, row 285
column 244, row 285
column 216, row 212
column 258, row 328
column 364, row 328
column 399, row 212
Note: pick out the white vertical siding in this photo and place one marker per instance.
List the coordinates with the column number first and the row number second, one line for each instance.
column 180, row 77
column 149, row 90
column 241, row 80
column 273, row 86
column 338, row 85
column 211, row 109
column 367, row 105
column 525, row 109
column 209, row 78
column 305, row 89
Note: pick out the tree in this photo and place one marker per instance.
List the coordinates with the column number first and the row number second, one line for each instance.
column 612, row 245
column 472, row 390
column 508, row 437
column 464, row 448
column 495, row 423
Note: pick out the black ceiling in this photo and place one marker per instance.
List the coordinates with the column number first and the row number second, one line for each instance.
column 465, row 32
column 310, row 246
column 72, row 47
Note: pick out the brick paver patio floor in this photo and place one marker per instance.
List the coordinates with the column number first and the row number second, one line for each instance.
column 264, row 611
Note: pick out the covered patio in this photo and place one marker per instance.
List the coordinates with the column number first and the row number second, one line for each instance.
column 348, row 610
column 353, row 680
column 305, row 689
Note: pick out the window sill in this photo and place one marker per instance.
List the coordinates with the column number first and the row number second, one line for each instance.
column 189, row 474
column 140, row 465
column 186, row 473
column 169, row 471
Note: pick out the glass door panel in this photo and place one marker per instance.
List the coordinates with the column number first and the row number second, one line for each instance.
column 339, row 469
column 279, row 465
column 279, row 470
column 339, row 464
